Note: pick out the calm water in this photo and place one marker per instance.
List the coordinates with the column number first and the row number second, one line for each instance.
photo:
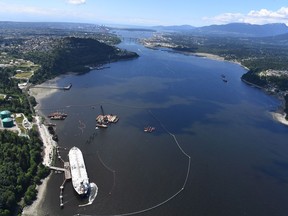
column 239, row 154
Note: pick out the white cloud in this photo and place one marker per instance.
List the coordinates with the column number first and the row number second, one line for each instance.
column 12, row 12
column 14, row 9
column 262, row 16
column 76, row 2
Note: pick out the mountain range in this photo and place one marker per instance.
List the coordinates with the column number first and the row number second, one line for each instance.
column 232, row 29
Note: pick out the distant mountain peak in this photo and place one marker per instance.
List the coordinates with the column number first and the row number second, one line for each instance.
column 174, row 28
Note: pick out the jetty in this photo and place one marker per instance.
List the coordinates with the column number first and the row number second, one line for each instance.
column 67, row 174
column 53, row 87
column 65, row 169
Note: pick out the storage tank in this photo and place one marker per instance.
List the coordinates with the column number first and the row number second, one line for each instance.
column 8, row 122
column 5, row 114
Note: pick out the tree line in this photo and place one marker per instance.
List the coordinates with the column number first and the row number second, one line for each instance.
column 15, row 101
column 20, row 170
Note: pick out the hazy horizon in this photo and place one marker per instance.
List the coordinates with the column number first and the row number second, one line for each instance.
column 145, row 13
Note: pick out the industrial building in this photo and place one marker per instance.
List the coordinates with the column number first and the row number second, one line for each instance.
column 5, row 114
column 7, row 122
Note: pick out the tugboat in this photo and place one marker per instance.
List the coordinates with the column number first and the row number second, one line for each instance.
column 224, row 78
column 101, row 125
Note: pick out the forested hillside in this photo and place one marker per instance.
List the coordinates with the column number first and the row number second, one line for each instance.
column 73, row 54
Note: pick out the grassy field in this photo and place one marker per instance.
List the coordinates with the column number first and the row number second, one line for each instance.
column 24, row 69
column 19, row 121
column 23, row 75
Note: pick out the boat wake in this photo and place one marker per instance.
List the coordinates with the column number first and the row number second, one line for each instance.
column 92, row 195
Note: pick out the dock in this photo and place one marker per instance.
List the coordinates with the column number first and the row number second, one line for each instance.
column 54, row 87
column 67, row 174
column 57, row 168
column 65, row 170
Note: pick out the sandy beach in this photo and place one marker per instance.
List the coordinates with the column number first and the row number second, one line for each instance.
column 40, row 93
column 35, row 208
column 48, row 145
column 210, row 56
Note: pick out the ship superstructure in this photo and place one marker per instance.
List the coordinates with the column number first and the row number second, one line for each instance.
column 79, row 175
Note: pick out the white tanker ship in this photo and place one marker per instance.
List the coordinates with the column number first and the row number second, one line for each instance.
column 79, row 175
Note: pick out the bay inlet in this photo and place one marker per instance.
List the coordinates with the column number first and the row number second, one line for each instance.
column 233, row 150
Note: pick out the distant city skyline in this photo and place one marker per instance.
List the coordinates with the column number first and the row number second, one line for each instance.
column 146, row 13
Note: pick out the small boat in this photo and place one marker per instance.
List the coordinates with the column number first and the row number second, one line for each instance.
column 224, row 78
column 101, row 125
column 149, row 129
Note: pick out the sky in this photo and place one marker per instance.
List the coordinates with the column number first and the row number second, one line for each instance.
column 146, row 12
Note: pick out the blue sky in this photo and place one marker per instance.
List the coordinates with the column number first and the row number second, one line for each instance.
column 146, row 12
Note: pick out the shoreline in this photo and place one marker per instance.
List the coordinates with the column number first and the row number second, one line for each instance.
column 209, row 56
column 277, row 116
column 49, row 144
column 35, row 207
column 219, row 58
column 47, row 155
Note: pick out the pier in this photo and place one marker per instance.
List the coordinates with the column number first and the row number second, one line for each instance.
column 54, row 87
column 57, row 168
column 66, row 170
column 67, row 174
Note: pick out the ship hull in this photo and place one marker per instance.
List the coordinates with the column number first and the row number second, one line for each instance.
column 79, row 175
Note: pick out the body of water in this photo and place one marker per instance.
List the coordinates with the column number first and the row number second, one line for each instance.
column 228, row 156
